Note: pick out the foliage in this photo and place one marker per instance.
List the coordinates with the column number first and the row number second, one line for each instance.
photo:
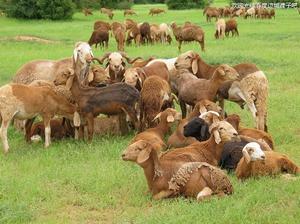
column 39, row 9
column 240, row 1
column 96, row 4
column 186, row 4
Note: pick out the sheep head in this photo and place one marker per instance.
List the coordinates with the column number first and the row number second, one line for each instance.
column 207, row 105
column 98, row 75
column 83, row 53
column 188, row 60
column 225, row 72
column 252, row 152
column 137, row 152
column 223, row 132
column 210, row 117
column 62, row 77
column 169, row 115
column 133, row 75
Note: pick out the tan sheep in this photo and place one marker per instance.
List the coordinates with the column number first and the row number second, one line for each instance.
column 220, row 29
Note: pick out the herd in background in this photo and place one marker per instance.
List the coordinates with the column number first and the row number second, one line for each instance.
column 142, row 97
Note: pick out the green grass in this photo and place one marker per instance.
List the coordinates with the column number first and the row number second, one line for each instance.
column 76, row 182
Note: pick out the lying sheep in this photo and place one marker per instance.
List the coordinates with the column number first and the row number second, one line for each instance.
column 156, row 135
column 220, row 29
column 187, row 34
column 255, row 162
column 168, row 178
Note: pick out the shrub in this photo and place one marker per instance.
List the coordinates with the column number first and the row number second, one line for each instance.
column 240, row 1
column 39, row 9
column 187, row 4
column 97, row 4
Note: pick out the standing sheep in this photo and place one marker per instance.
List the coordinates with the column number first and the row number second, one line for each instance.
column 220, row 29
column 145, row 33
column 156, row 11
column 129, row 12
column 99, row 36
column 231, row 26
column 120, row 36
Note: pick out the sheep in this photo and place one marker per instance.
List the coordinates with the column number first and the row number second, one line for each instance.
column 129, row 23
column 99, row 36
column 250, row 76
column 220, row 29
column 178, row 139
column 187, row 34
column 137, row 76
column 231, row 26
column 26, row 102
column 192, row 89
column 255, row 162
column 197, row 128
column 107, row 12
column 101, row 24
column 166, row 178
column 60, row 129
column 211, row 12
column 156, row 11
column 145, row 33
column 129, row 12
column 116, row 64
column 272, row 13
column 111, row 100
column 155, row 135
column 165, row 33
column 207, row 151
column 169, row 62
column 250, row 12
column 154, row 93
column 120, row 36
column 87, row 11
column 116, row 26
column 154, row 33
column 133, row 33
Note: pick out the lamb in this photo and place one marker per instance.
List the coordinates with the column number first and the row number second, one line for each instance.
column 156, row 135
column 192, row 89
column 255, row 162
column 154, row 94
column 233, row 92
column 166, row 178
column 231, row 26
column 129, row 12
column 156, row 11
column 101, row 24
column 137, row 76
column 178, row 139
column 120, row 36
column 99, row 36
column 87, row 11
column 145, row 33
column 187, row 34
column 208, row 151
column 116, row 64
column 220, row 29
column 111, row 100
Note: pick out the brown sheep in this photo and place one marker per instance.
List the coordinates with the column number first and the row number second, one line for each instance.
column 101, row 24
column 107, row 12
column 137, row 76
column 171, row 178
column 129, row 23
column 272, row 13
column 211, row 12
column 231, row 26
column 145, row 33
column 87, row 11
column 256, row 162
column 120, row 36
column 133, row 34
column 116, row 25
column 188, row 34
column 156, row 135
column 154, row 33
column 99, row 36
column 129, row 12
column 156, row 11
column 208, row 151
column 177, row 139
column 220, row 29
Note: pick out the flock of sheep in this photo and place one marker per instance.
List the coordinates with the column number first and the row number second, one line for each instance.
column 142, row 94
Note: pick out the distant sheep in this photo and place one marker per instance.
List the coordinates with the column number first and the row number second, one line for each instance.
column 156, row 11
column 231, row 26
column 220, row 29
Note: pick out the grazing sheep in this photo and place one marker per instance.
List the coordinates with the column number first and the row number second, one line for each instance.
column 87, row 11
column 116, row 26
column 120, row 36
column 207, row 151
column 154, row 33
column 156, row 11
column 129, row 23
column 165, row 33
column 133, row 34
column 231, row 26
column 155, row 92
column 129, row 12
column 187, row 34
column 211, row 12
column 108, row 12
column 99, row 36
column 167, row 178
column 220, row 29
column 145, row 33
column 250, row 12
column 156, row 135
column 255, row 162
column 272, row 13
column 101, row 24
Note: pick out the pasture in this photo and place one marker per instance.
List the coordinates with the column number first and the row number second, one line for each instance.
column 76, row 182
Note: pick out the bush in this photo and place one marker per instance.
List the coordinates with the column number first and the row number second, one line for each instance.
column 187, row 4
column 97, row 4
column 39, row 9
column 240, row 1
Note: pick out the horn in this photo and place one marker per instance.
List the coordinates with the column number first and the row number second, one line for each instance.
column 175, row 98
column 246, row 156
column 157, row 116
column 101, row 60
column 130, row 61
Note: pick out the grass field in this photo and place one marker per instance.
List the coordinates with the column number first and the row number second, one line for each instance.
column 76, row 182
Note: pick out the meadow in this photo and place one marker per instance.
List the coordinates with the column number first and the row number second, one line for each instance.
column 76, row 182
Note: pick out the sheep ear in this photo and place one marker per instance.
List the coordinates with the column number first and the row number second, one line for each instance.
column 75, row 55
column 203, row 131
column 195, row 66
column 215, row 118
column 221, row 71
column 170, row 118
column 90, row 76
column 144, row 155
column 76, row 119
column 246, row 155
column 157, row 116
column 69, row 82
column 217, row 136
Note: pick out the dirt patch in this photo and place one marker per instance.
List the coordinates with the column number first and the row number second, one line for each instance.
column 31, row 38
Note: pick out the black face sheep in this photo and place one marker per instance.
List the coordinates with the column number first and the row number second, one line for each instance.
column 255, row 162
column 197, row 128
column 167, row 178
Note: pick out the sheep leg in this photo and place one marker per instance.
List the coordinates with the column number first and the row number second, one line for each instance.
column 47, row 130
column 162, row 194
column 179, row 45
column 90, row 126
column 28, row 126
column 204, row 194
column 3, row 131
